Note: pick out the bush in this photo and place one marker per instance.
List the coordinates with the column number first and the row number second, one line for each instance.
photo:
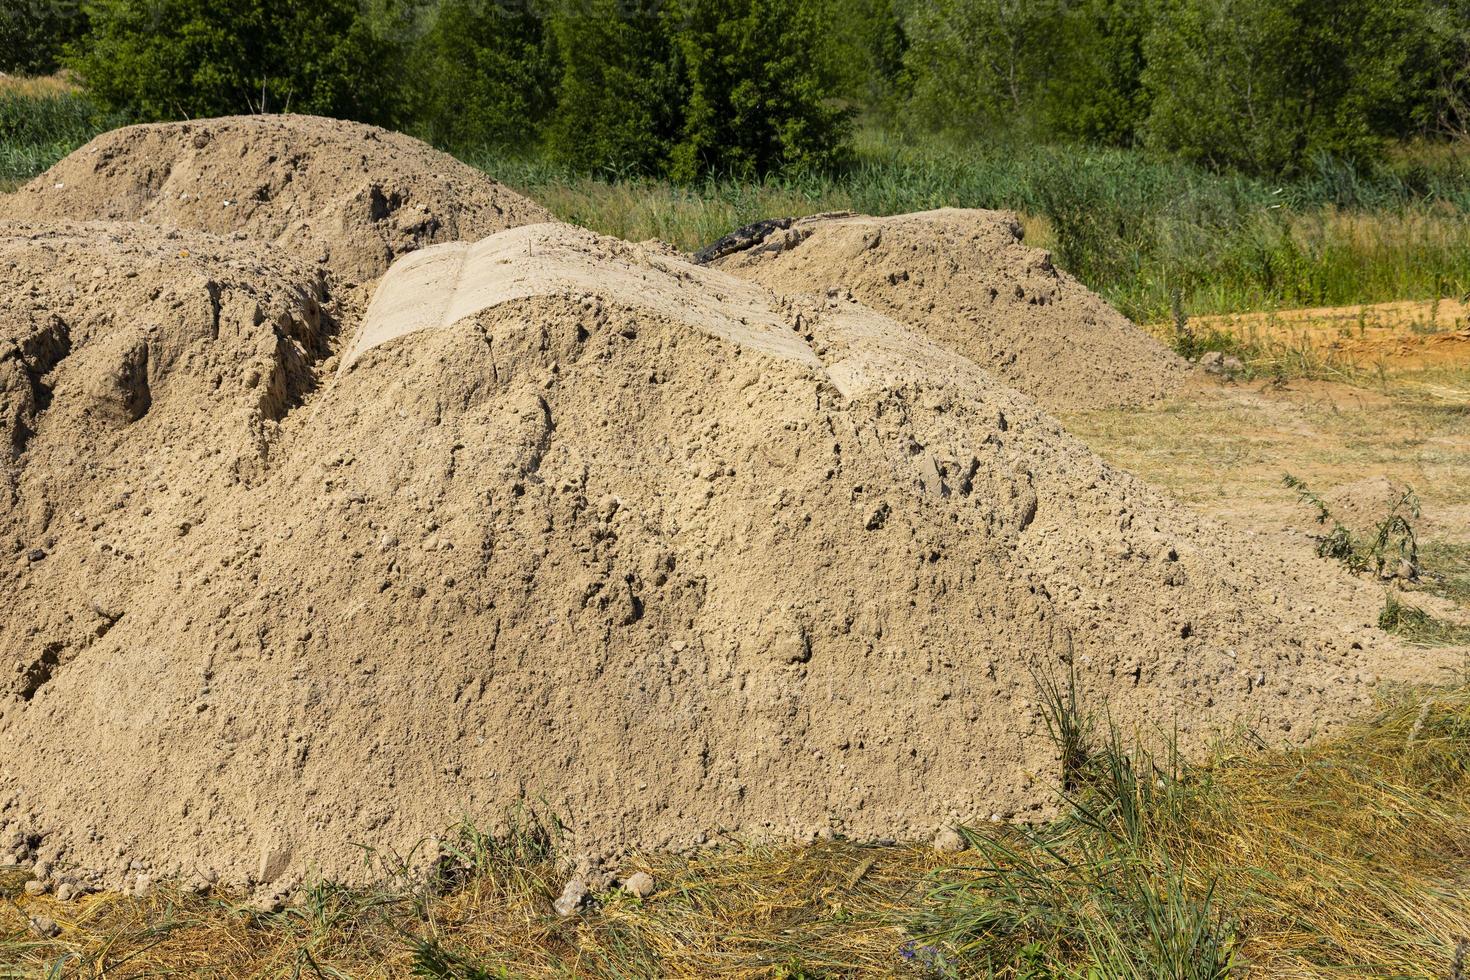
column 33, row 33
column 737, row 87
column 1266, row 86
column 485, row 72
column 167, row 59
column 978, row 65
column 619, row 96
column 758, row 96
column 1094, row 91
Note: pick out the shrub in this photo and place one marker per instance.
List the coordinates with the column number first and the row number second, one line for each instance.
column 484, row 74
column 33, row 33
column 1266, row 86
column 737, row 87
column 758, row 95
column 978, row 65
column 619, row 95
column 166, row 59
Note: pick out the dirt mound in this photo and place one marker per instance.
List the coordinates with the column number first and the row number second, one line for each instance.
column 781, row 567
column 965, row 279
column 351, row 196
column 1362, row 506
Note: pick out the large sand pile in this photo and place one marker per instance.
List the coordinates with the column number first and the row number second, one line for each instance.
column 964, row 278
column 579, row 535
column 351, row 196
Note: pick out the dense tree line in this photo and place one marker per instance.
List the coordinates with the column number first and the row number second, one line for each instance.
column 742, row 87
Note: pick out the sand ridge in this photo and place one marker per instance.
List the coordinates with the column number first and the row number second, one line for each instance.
column 965, row 278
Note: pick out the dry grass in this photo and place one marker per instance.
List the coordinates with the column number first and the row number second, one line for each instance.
column 21, row 86
column 1223, row 448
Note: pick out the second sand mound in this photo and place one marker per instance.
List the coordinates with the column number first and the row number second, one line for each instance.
column 964, row 278
column 665, row 566
column 351, row 196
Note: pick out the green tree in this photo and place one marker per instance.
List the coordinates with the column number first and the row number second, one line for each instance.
column 166, row 59
column 1443, row 106
column 980, row 65
column 863, row 43
column 760, row 97
column 34, row 32
column 1095, row 93
column 1267, row 85
column 483, row 73
column 618, row 97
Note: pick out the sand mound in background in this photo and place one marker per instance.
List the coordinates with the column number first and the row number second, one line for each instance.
column 786, row 570
column 351, row 196
column 965, row 279
column 1363, row 505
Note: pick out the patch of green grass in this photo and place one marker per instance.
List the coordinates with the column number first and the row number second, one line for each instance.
column 1417, row 626
column 39, row 126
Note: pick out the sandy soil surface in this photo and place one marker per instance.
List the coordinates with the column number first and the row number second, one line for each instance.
column 348, row 196
column 965, row 278
column 1402, row 336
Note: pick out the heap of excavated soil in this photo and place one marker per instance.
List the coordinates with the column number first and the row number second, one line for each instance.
column 351, row 196
column 965, row 279
column 596, row 528
column 1361, row 506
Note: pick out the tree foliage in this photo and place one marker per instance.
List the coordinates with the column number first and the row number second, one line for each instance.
column 619, row 95
column 1263, row 86
column 485, row 72
column 1267, row 85
column 33, row 34
column 166, row 59
column 686, row 88
column 758, row 98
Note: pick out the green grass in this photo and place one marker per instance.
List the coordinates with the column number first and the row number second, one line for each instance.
column 40, row 124
column 1136, row 229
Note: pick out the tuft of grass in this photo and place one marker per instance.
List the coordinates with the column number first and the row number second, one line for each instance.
column 1340, row 857
column 1417, row 626
column 1447, row 570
